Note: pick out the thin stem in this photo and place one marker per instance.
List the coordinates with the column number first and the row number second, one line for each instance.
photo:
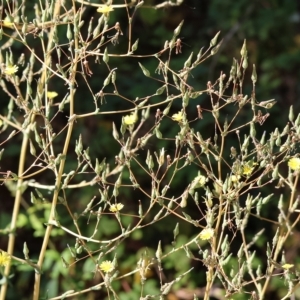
column 52, row 214
column 37, row 282
column 17, row 202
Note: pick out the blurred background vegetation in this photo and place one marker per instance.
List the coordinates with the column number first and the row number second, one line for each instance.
column 272, row 31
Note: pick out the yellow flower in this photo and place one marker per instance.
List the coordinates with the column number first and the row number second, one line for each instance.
column 8, row 23
column 178, row 117
column 4, row 258
column 248, row 168
column 51, row 95
column 130, row 119
column 206, row 234
column 10, row 70
column 294, row 163
column 107, row 266
column 116, row 207
column 105, row 9
column 287, row 266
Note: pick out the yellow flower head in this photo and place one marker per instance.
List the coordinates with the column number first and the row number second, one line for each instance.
column 287, row 266
column 51, row 95
column 7, row 23
column 105, row 9
column 248, row 168
column 178, row 117
column 4, row 258
column 206, row 234
column 116, row 207
column 294, row 163
column 130, row 119
column 106, row 266
column 10, row 70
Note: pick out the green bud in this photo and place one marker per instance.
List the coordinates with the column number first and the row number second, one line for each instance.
column 119, row 181
column 183, row 202
column 158, row 133
column 140, row 210
column 164, row 190
column 178, row 29
column 275, row 172
column 113, row 77
column 25, row 251
column 160, row 90
column 145, row 71
column 32, row 149
column 149, row 161
column 188, row 61
column 199, row 55
column 176, row 231
column 213, row 42
column 286, row 130
column 158, row 252
column 244, row 50
column 245, row 63
column 69, row 33
column 185, row 99
column 254, row 75
column 278, row 141
column 297, row 122
column 107, row 80
column 252, row 130
column 215, row 49
column 105, row 56
column 135, row 45
column 146, row 113
column 115, row 132
column 79, row 147
column 263, row 138
column 167, row 109
column 81, row 24
column 291, row 114
column 161, row 158
column 116, row 191
column 267, row 104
